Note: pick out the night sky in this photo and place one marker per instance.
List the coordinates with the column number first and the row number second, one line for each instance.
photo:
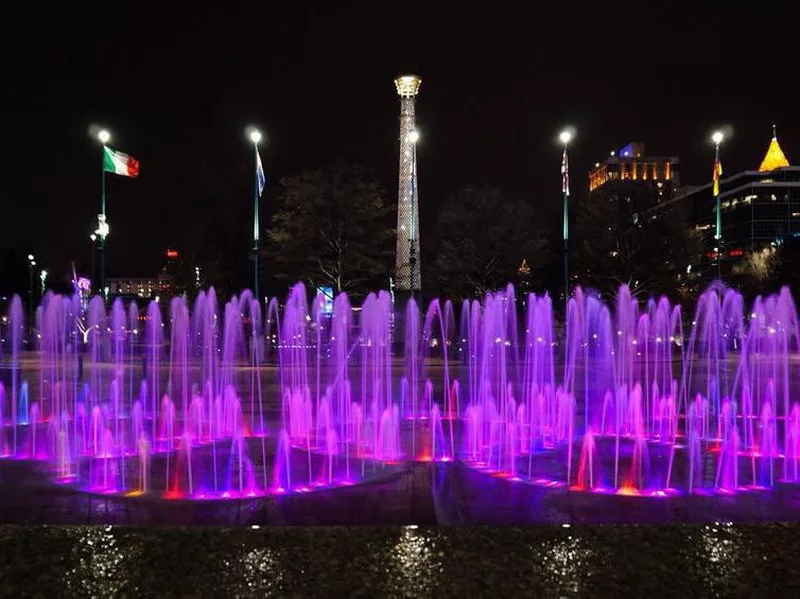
column 177, row 90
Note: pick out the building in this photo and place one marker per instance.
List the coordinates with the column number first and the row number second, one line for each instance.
column 758, row 209
column 145, row 287
column 631, row 173
column 164, row 284
column 612, row 245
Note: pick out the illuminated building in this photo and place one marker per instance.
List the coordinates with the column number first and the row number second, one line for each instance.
column 627, row 184
column 144, row 287
column 407, row 264
column 759, row 209
column 164, row 284
column 630, row 170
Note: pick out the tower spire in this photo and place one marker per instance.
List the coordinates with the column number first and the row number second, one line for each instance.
column 774, row 158
column 407, row 264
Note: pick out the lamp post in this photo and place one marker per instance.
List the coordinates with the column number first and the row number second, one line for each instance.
column 718, row 137
column 102, row 226
column 565, row 137
column 93, row 239
column 31, row 264
column 255, row 137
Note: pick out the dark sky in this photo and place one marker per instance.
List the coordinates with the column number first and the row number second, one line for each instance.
column 177, row 88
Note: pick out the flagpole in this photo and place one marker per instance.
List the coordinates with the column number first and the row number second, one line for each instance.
column 565, row 138
column 255, row 137
column 104, row 136
column 255, row 221
column 717, row 139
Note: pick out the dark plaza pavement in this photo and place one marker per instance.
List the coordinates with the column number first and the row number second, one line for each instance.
column 55, row 542
column 713, row 560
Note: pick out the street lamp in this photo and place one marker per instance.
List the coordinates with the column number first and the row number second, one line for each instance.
column 31, row 264
column 565, row 137
column 258, row 186
column 102, row 227
column 93, row 239
column 717, row 138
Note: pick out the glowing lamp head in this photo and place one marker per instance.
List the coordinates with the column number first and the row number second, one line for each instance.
column 565, row 137
column 407, row 85
column 30, row 257
column 104, row 136
column 255, row 136
column 93, row 237
column 717, row 137
column 413, row 136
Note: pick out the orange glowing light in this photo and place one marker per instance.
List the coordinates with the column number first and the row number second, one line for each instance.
column 775, row 158
column 628, row 490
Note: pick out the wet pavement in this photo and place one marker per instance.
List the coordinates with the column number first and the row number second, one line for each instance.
column 659, row 561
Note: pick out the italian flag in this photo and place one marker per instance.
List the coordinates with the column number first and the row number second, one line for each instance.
column 120, row 163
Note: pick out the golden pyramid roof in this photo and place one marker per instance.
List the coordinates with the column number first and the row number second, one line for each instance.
column 775, row 157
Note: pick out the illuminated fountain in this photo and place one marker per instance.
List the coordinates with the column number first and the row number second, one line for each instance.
column 642, row 408
column 173, row 401
column 211, row 401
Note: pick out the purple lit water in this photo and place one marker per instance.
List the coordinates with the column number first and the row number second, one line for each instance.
column 219, row 401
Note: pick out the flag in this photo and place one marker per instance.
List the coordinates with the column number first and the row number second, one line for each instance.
column 717, row 174
column 262, row 180
column 565, row 174
column 120, row 163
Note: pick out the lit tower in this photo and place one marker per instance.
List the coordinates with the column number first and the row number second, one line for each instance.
column 407, row 272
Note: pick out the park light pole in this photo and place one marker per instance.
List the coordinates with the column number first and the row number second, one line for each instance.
column 93, row 239
column 258, row 186
column 565, row 137
column 31, row 265
column 102, row 225
column 718, row 137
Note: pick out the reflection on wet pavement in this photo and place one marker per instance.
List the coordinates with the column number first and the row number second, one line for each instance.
column 719, row 559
